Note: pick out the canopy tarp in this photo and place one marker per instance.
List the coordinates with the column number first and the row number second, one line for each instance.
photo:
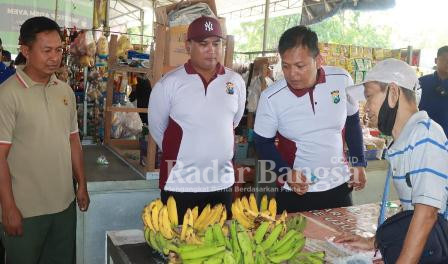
column 315, row 11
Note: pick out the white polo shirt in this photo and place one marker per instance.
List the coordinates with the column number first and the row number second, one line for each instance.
column 316, row 133
column 419, row 163
column 193, row 122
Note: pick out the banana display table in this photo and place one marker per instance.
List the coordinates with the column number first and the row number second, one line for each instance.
column 129, row 246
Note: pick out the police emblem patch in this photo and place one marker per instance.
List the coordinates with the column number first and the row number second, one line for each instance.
column 335, row 96
column 229, row 88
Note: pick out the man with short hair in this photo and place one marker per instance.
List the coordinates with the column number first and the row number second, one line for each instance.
column 434, row 98
column 307, row 111
column 40, row 154
column 193, row 111
column 417, row 157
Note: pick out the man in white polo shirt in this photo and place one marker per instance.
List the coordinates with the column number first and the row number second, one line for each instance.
column 418, row 156
column 193, row 111
column 307, row 112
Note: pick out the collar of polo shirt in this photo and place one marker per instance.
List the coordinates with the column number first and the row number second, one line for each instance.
column 28, row 82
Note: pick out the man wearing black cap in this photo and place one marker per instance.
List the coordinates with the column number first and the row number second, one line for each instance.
column 192, row 113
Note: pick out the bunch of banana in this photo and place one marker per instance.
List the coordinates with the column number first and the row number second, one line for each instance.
column 309, row 258
column 297, row 223
column 150, row 215
column 209, row 216
column 160, row 218
column 246, row 212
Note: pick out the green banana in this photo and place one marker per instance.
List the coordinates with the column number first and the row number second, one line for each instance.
column 228, row 258
column 302, row 224
column 215, row 259
column 153, row 242
column 291, row 244
column 203, row 251
column 272, row 237
column 246, row 247
column 234, row 241
column 194, row 261
column 278, row 258
column 161, row 241
column 208, row 237
column 188, row 247
column 218, row 235
column 261, row 231
column 147, row 234
column 284, row 240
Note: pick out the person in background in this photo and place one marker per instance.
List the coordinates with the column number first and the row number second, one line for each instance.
column 40, row 154
column 434, row 98
column 308, row 111
column 141, row 93
column 193, row 111
column 418, row 157
column 5, row 68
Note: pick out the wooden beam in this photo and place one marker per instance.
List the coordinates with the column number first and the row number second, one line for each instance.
column 159, row 54
column 230, row 47
column 110, row 88
column 125, row 142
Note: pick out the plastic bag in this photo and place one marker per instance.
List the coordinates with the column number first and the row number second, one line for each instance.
column 126, row 125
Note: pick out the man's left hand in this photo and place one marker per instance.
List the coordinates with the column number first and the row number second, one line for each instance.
column 358, row 178
column 82, row 197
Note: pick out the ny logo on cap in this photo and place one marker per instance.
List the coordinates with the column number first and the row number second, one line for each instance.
column 208, row 26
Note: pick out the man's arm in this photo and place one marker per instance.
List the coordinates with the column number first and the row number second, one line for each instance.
column 421, row 225
column 11, row 216
column 241, row 102
column 82, row 195
column 355, row 144
column 158, row 112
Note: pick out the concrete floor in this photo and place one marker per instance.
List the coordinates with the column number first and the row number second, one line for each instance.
column 373, row 192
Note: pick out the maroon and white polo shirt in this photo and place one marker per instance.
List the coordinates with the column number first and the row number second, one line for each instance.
column 309, row 126
column 193, row 122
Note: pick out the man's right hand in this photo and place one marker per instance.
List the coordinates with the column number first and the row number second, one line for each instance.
column 297, row 182
column 12, row 220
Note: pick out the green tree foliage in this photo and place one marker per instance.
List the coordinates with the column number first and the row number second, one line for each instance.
column 345, row 28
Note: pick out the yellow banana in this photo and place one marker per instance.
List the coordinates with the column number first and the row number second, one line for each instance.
column 195, row 212
column 204, row 215
column 155, row 216
column 223, row 218
column 164, row 224
column 240, row 217
column 282, row 218
column 146, row 216
column 183, row 232
column 273, row 207
column 172, row 211
column 245, row 202
column 239, row 204
column 264, row 203
column 253, row 203
column 213, row 217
